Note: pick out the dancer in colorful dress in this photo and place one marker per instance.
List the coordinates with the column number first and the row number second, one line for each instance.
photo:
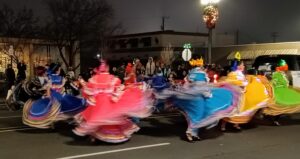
column 33, row 89
column 131, row 84
column 202, row 104
column 42, row 113
column 286, row 99
column 110, row 108
column 254, row 95
column 158, row 84
column 130, row 76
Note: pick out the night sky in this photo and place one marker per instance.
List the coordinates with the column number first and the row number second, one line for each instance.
column 256, row 19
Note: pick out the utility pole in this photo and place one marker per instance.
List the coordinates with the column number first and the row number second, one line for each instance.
column 163, row 18
column 274, row 35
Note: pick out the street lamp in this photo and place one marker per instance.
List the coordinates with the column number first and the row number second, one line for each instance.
column 98, row 56
column 210, row 17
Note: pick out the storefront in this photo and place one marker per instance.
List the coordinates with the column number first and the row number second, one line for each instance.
column 33, row 52
column 4, row 61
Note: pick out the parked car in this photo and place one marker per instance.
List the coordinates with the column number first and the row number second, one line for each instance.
column 267, row 64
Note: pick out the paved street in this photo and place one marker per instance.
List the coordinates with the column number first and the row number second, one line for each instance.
column 159, row 138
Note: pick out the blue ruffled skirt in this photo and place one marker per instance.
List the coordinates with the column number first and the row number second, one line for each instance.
column 43, row 112
column 201, row 111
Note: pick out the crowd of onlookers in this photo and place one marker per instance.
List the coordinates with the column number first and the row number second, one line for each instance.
column 11, row 78
column 177, row 71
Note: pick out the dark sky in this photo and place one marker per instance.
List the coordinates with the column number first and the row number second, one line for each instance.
column 256, row 19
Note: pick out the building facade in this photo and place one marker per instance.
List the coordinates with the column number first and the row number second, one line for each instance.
column 152, row 44
column 33, row 52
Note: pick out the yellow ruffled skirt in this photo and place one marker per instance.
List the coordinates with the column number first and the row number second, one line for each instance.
column 254, row 98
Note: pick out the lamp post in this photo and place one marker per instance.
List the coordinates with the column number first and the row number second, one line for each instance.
column 210, row 17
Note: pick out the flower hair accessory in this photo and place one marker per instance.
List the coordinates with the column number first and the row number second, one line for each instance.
column 237, row 59
column 237, row 56
column 197, row 62
column 282, row 66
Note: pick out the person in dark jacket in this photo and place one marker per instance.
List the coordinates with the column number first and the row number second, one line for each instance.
column 10, row 76
column 21, row 71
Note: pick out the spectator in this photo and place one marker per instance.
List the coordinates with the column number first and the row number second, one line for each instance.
column 62, row 72
column 88, row 74
column 114, row 71
column 163, row 69
column 184, row 73
column 121, row 72
column 150, row 67
column 21, row 71
column 10, row 76
column 138, row 65
column 140, row 76
column 71, row 73
column 179, row 72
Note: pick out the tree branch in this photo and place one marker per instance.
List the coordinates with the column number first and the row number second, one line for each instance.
column 77, row 66
column 62, row 56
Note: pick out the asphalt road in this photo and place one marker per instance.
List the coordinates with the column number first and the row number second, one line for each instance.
column 160, row 137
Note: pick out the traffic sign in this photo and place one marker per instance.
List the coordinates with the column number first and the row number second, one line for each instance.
column 186, row 54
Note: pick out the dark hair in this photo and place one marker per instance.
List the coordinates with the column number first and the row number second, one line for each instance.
column 40, row 70
column 234, row 64
column 54, row 67
column 235, row 61
column 209, row 67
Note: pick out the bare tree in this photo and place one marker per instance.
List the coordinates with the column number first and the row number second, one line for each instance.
column 17, row 26
column 71, row 21
column 167, row 55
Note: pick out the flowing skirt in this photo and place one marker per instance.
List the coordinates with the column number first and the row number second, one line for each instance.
column 116, row 133
column 45, row 111
column 201, row 111
column 285, row 101
column 109, row 120
column 227, row 94
column 41, row 113
column 255, row 97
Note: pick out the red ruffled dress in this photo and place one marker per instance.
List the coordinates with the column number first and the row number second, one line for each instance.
column 110, row 107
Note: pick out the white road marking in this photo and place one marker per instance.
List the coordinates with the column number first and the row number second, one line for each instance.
column 18, row 129
column 7, row 117
column 114, row 151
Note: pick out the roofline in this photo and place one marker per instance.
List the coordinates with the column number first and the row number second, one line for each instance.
column 134, row 50
column 169, row 32
column 253, row 44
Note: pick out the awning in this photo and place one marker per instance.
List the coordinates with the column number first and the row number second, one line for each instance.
column 253, row 54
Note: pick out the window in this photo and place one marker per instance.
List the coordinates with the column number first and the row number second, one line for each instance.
column 112, row 44
column 134, row 43
column 123, row 44
column 156, row 41
column 146, row 41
